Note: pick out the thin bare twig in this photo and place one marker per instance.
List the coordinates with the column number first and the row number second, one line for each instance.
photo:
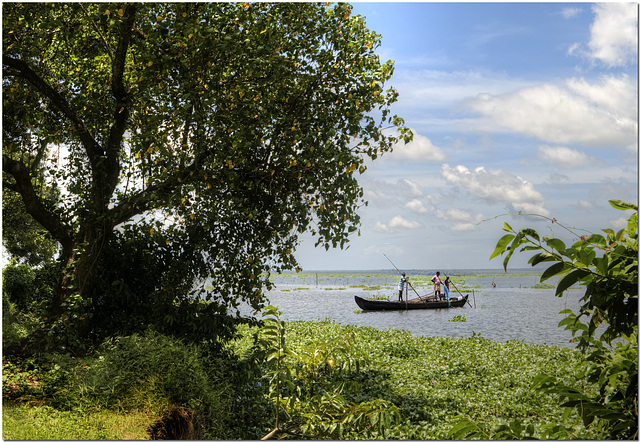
column 553, row 221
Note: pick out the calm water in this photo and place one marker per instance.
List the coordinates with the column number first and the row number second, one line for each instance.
column 511, row 310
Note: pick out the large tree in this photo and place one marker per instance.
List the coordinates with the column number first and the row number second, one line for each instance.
column 221, row 130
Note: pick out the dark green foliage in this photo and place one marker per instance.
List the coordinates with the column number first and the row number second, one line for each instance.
column 309, row 387
column 147, row 281
column 30, row 288
column 22, row 236
column 152, row 371
column 26, row 294
column 18, row 284
column 174, row 369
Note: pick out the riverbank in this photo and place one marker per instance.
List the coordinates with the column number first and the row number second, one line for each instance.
column 431, row 381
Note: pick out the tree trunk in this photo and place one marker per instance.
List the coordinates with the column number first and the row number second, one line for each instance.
column 71, row 303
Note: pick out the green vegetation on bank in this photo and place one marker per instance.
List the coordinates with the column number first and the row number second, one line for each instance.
column 430, row 381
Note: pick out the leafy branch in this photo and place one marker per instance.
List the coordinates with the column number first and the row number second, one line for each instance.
column 608, row 267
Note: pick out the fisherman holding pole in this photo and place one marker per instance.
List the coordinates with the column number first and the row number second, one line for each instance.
column 454, row 286
column 403, row 279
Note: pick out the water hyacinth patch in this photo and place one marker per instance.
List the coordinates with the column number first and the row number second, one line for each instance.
column 432, row 380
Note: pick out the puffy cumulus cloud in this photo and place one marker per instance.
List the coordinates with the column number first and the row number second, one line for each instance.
column 420, row 149
column 416, row 206
column 496, row 186
column 567, row 158
column 614, row 34
column 610, row 93
column 459, row 220
column 397, row 222
column 594, row 114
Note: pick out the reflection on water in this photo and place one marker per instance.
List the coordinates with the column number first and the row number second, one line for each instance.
column 503, row 313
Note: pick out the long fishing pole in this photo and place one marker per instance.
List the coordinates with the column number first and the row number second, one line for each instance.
column 454, row 285
column 401, row 274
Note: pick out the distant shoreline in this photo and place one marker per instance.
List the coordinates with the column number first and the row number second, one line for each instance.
column 453, row 271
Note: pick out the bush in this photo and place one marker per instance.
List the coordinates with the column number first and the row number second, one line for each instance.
column 155, row 372
column 28, row 288
column 143, row 283
column 18, row 284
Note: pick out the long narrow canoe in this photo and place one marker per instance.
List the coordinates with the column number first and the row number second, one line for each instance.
column 415, row 304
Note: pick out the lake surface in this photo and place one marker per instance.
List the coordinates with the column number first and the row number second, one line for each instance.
column 512, row 310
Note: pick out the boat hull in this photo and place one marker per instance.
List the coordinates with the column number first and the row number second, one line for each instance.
column 371, row 305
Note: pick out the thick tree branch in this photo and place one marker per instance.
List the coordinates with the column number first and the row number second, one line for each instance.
column 141, row 201
column 121, row 111
column 22, row 69
column 33, row 203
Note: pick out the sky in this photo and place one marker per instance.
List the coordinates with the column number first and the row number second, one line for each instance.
column 515, row 108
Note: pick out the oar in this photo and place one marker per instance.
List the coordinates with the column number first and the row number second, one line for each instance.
column 454, row 286
column 401, row 274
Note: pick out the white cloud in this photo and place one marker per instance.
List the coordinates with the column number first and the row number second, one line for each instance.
column 463, row 227
column 413, row 187
column 614, row 34
column 420, row 149
column 387, row 194
column 381, row 227
column 585, row 205
column 497, row 186
column 459, row 220
column 416, row 206
column 397, row 222
column 619, row 223
column 433, row 90
column 595, row 114
column 570, row 12
column 567, row 158
column 611, row 94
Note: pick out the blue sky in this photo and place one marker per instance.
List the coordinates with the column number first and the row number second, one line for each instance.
column 515, row 107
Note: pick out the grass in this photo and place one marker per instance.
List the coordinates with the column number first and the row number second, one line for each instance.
column 42, row 422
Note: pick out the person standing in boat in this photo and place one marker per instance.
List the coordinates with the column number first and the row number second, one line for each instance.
column 436, row 285
column 446, row 287
column 401, row 283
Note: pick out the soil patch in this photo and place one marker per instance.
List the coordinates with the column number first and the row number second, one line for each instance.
column 179, row 424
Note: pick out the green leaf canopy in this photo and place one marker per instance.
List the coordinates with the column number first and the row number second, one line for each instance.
column 225, row 130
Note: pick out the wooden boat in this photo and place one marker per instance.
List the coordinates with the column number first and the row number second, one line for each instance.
column 413, row 304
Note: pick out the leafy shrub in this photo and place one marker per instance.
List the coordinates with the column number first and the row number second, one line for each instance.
column 28, row 288
column 307, row 387
column 143, row 282
column 153, row 371
column 18, row 284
